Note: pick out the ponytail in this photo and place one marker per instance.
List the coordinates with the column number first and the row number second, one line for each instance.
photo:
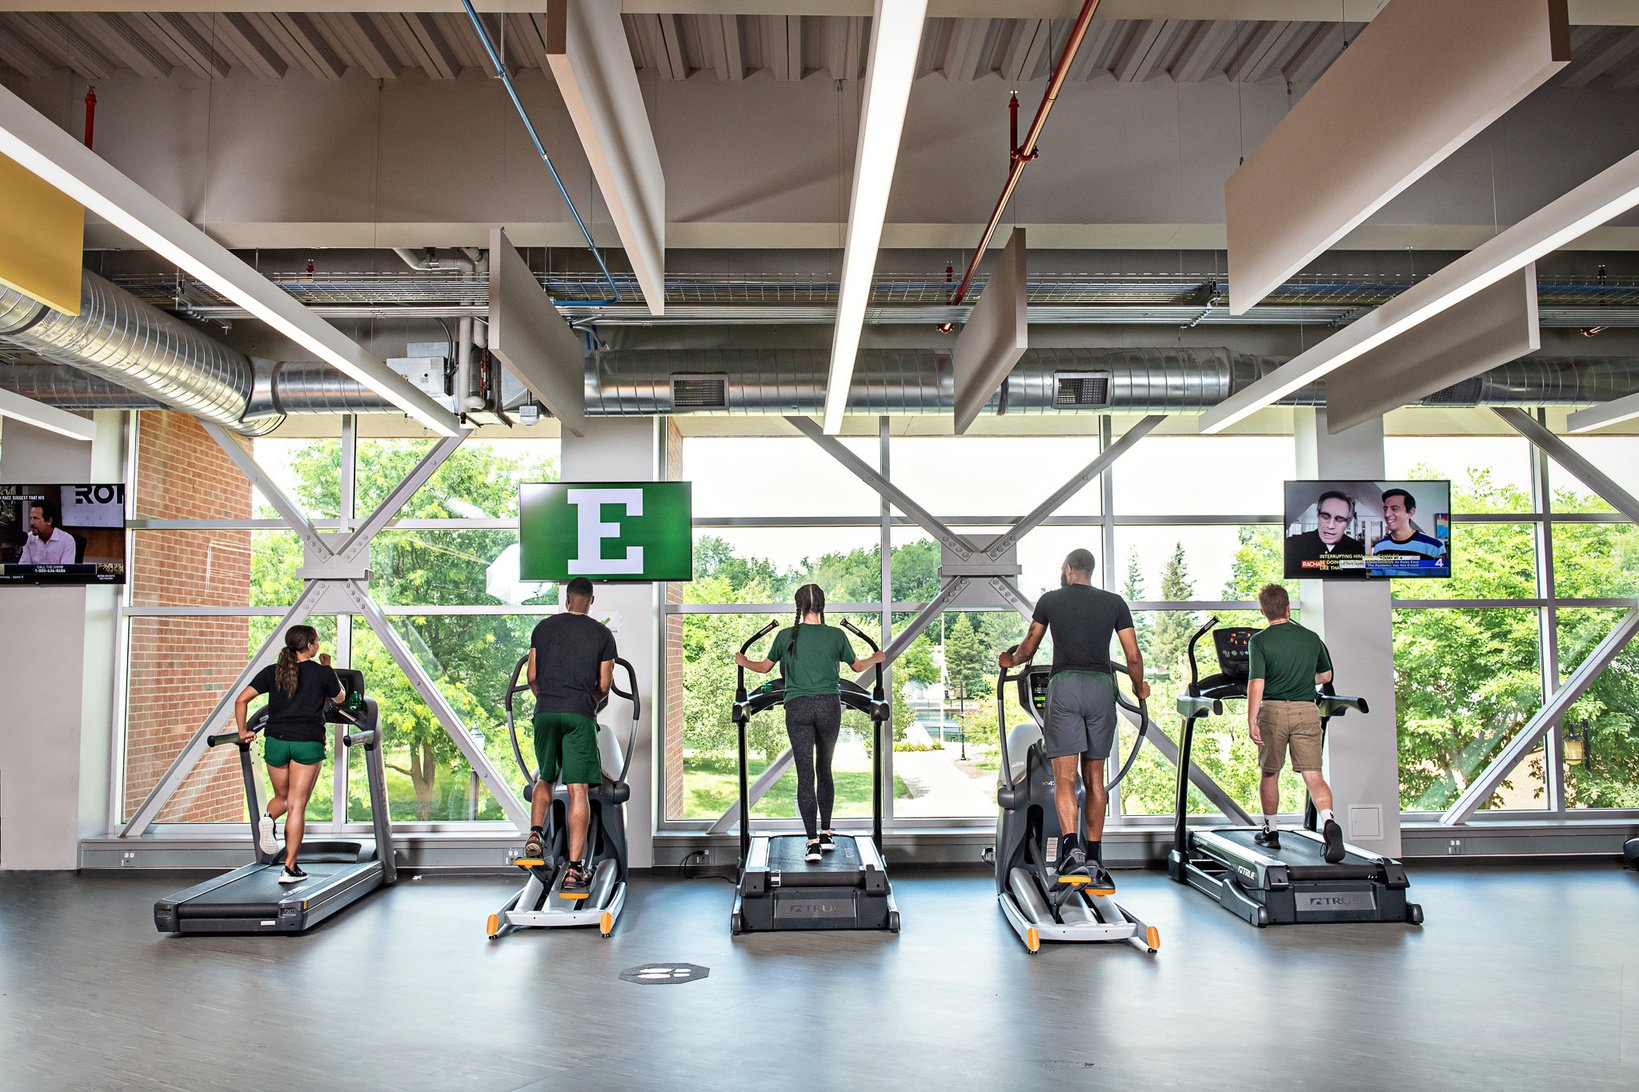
column 297, row 639
column 810, row 600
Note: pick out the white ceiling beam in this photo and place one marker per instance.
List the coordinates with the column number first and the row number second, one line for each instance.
column 1560, row 222
column 54, row 32
column 1201, row 58
column 1603, row 416
column 24, row 58
column 311, row 47
column 1143, row 51
column 1608, row 50
column 962, row 51
column 1434, row 77
column 1582, row 12
column 61, row 160
column 367, row 44
column 183, row 40
column 439, row 60
column 125, row 45
column 16, row 407
column 243, row 37
column 1315, row 55
column 793, row 46
column 587, row 52
column 896, row 37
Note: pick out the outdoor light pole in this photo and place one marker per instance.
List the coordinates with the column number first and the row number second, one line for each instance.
column 959, row 692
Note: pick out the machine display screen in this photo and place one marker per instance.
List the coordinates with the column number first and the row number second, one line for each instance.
column 1234, row 647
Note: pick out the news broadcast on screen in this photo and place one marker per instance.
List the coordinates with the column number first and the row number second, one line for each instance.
column 1341, row 529
column 62, row 534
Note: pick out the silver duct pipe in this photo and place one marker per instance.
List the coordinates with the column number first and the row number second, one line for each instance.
column 121, row 339
column 919, row 381
column 279, row 389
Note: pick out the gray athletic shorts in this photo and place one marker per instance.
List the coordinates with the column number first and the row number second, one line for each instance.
column 1080, row 715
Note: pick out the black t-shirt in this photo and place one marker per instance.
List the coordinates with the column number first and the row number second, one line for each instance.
column 298, row 717
column 569, row 649
column 1082, row 620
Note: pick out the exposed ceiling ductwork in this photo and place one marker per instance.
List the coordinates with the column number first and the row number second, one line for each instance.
column 904, row 382
column 119, row 338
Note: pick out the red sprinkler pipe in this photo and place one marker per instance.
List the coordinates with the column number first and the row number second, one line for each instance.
column 1024, row 153
column 90, row 113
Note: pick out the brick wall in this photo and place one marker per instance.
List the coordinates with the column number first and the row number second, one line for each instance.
column 180, row 667
column 672, row 717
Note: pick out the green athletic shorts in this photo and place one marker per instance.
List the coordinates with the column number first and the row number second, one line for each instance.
column 566, row 744
column 282, row 752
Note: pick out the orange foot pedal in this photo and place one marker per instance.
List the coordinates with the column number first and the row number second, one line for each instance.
column 1075, row 881
column 528, row 864
column 573, row 896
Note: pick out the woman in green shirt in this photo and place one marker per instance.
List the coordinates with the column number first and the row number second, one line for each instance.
column 809, row 653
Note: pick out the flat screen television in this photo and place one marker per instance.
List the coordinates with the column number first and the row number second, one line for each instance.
column 605, row 531
column 62, row 534
column 1341, row 529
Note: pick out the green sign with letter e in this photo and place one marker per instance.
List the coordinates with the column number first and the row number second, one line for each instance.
column 614, row 531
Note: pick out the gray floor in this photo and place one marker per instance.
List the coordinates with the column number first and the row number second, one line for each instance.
column 1523, row 978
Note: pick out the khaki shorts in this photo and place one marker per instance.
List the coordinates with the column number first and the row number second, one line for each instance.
column 1293, row 725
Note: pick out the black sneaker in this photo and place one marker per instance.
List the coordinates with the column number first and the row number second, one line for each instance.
column 827, row 843
column 1334, row 841
column 1072, row 866
column 292, row 874
column 577, row 881
column 1268, row 839
column 813, row 854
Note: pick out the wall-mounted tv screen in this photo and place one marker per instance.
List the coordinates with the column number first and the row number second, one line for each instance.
column 62, row 534
column 1340, row 529
column 605, row 531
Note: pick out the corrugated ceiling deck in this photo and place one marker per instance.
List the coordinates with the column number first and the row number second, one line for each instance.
column 326, row 45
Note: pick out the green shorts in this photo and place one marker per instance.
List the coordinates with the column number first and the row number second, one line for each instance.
column 566, row 744
column 282, row 752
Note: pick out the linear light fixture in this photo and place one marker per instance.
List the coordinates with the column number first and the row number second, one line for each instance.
column 29, row 412
column 33, row 141
column 1558, row 223
column 1603, row 416
column 896, row 37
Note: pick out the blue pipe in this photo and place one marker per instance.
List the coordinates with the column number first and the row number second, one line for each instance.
column 512, row 93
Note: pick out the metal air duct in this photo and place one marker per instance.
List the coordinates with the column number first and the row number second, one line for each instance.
column 121, row 339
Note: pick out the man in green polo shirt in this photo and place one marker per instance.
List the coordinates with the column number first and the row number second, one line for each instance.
column 1288, row 662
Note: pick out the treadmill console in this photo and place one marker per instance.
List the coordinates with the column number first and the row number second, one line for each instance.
column 1234, row 645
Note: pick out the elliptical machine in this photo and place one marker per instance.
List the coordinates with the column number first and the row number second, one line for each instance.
column 541, row 903
column 1039, row 906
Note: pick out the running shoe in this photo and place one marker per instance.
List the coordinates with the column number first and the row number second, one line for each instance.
column 577, row 881
column 292, row 874
column 267, row 840
column 1268, row 839
column 813, row 854
column 1072, row 865
column 827, row 843
column 1101, row 882
column 534, row 847
column 1333, row 834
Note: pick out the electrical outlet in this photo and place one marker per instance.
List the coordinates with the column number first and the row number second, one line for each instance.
column 1454, row 847
column 127, row 859
column 512, row 854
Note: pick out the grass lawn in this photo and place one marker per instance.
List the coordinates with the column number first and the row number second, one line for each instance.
column 712, row 782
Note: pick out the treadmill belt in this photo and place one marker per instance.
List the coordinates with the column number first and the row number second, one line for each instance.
column 785, row 854
column 1294, row 849
column 263, row 889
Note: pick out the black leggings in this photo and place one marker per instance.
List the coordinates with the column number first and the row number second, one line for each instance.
column 813, row 724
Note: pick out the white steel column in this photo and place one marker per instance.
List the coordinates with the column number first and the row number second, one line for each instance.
column 1356, row 621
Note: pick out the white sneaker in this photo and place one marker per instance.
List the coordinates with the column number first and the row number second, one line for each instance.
column 265, row 841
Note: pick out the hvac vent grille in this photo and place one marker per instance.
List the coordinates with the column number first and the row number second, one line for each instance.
column 700, row 392
column 1466, row 393
column 1083, row 390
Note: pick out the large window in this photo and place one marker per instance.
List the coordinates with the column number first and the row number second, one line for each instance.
column 450, row 557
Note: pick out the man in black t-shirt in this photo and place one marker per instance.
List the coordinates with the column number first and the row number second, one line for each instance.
column 571, row 668
column 1081, row 719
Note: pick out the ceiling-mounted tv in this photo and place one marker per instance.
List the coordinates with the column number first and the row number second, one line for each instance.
column 1340, row 529
column 62, row 534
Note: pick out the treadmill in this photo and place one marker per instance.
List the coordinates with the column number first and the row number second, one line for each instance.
column 339, row 873
column 848, row 888
column 1292, row 885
